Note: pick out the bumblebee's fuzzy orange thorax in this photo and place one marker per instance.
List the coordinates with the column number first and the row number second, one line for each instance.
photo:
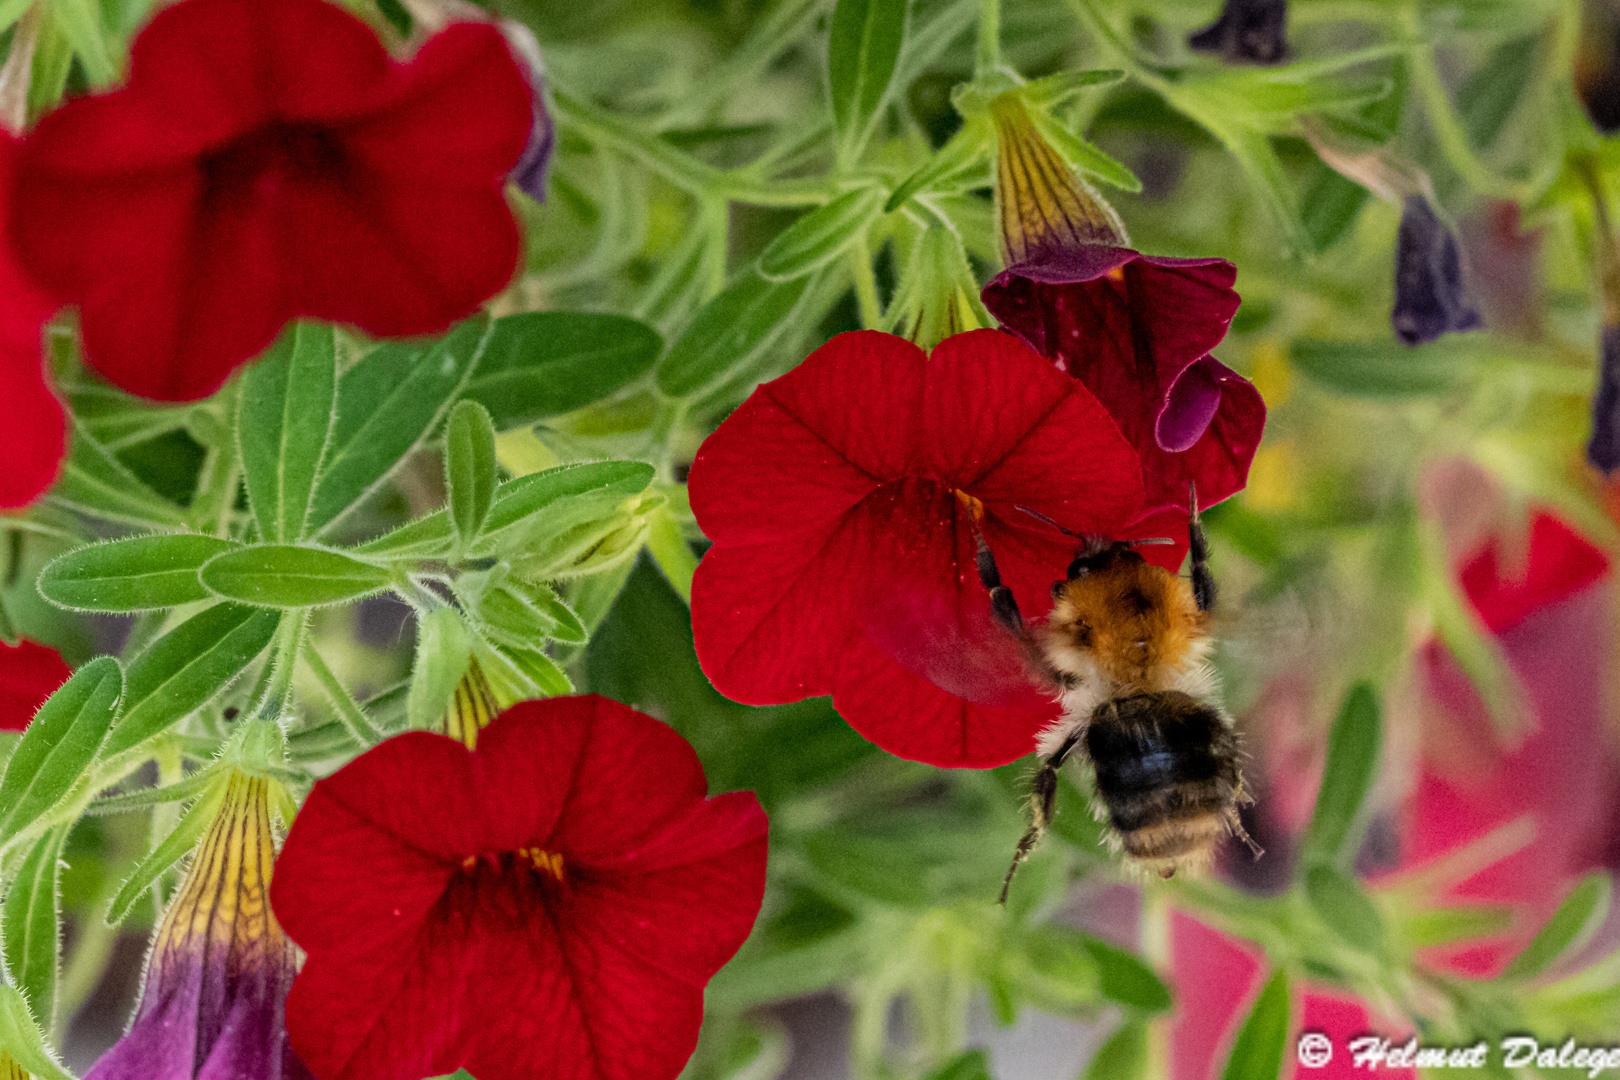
column 1136, row 623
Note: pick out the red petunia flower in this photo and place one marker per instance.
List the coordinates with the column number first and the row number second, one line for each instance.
column 29, row 673
column 268, row 161
column 1135, row 329
column 36, row 427
column 843, row 500
column 551, row 903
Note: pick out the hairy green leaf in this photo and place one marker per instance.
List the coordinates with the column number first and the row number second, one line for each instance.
column 820, row 236
column 31, row 924
column 181, row 671
column 20, row 1037
column 387, row 405
column 729, row 331
column 443, row 651
column 95, row 482
column 469, row 468
column 289, row 576
column 1570, row 927
column 1257, row 1052
column 287, row 416
column 862, row 48
column 174, row 847
column 143, row 573
column 1354, row 743
column 1126, row 979
column 59, row 744
column 1345, row 906
column 545, row 363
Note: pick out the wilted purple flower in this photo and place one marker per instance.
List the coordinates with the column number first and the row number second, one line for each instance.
column 1604, row 448
column 1430, row 296
column 1248, row 31
column 214, row 999
column 529, row 173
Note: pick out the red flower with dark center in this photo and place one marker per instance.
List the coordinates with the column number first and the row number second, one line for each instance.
column 844, row 499
column 551, row 903
column 36, row 427
column 1135, row 329
column 266, row 162
column 29, row 673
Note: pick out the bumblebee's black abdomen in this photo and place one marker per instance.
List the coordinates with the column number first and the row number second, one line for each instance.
column 1164, row 761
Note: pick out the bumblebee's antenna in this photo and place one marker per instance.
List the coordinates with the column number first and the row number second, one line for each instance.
column 1038, row 516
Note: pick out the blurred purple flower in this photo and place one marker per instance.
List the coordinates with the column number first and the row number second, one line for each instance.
column 1248, row 31
column 529, row 173
column 1431, row 297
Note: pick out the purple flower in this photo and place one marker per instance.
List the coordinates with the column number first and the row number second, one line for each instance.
column 1430, row 295
column 1248, row 31
column 529, row 174
column 214, row 999
column 1604, row 448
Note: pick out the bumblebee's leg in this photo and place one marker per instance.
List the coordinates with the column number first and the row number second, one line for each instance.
column 1003, row 605
column 1042, row 804
column 1203, row 582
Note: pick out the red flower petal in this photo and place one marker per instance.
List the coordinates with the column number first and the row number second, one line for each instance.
column 1561, row 563
column 423, row 929
column 287, row 169
column 36, row 435
column 1135, row 329
column 843, row 557
column 29, row 673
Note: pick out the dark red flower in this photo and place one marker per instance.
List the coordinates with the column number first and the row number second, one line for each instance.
column 551, row 903
column 36, row 427
column 268, row 161
column 1135, row 329
column 29, row 673
column 843, row 500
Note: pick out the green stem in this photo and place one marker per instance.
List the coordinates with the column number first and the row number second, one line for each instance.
column 866, row 290
column 348, row 710
column 671, row 552
column 283, row 661
column 987, row 57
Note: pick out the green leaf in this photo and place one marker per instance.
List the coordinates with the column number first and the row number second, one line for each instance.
column 1345, row 906
column 443, row 651
column 289, row 576
column 510, row 618
column 143, row 573
column 1123, row 1057
column 1387, row 369
column 1356, row 740
column 1124, row 978
column 20, row 1037
column 546, row 363
column 1082, row 155
column 1450, row 925
column 286, row 421
column 968, row 1065
column 1569, row 928
column 59, row 744
column 540, row 669
column 192, row 825
column 181, row 671
column 469, row 468
column 1490, row 95
column 1257, row 1052
column 1330, row 205
column 387, row 405
column 562, row 493
column 820, row 236
column 568, row 627
column 968, row 150
column 95, row 482
column 31, row 924
column 80, row 21
column 729, row 332
column 862, row 47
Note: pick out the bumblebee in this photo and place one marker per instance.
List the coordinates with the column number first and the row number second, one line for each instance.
column 1125, row 650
